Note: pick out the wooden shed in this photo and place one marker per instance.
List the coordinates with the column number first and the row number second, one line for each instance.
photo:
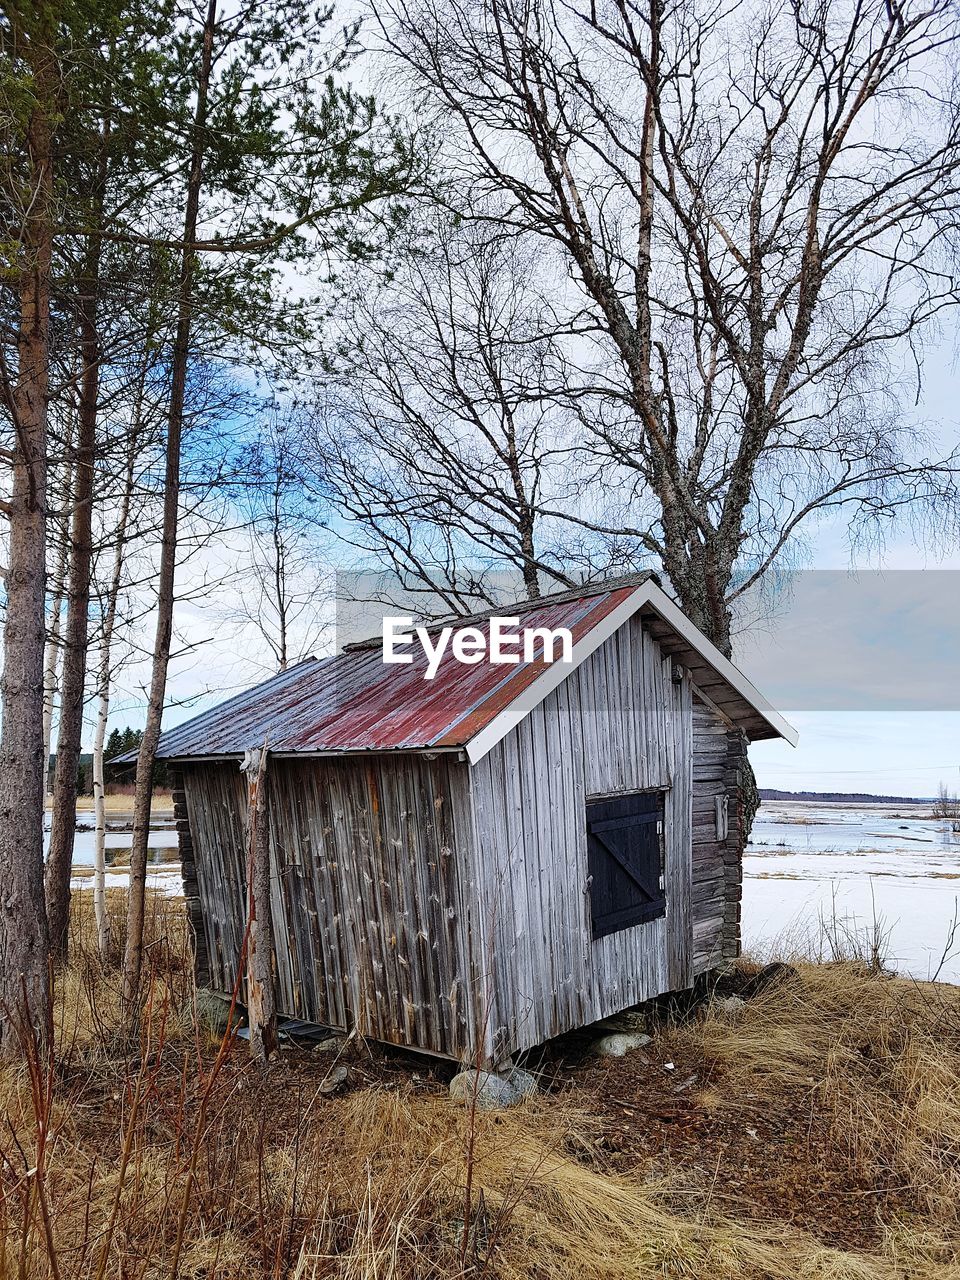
column 472, row 864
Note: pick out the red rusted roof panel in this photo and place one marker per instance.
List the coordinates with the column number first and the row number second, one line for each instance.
column 356, row 702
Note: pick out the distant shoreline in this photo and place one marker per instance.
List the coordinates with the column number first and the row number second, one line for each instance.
column 841, row 797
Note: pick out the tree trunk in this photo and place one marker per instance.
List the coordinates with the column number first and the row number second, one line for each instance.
column 261, row 994
column 73, row 679
column 100, row 811
column 24, row 975
column 51, row 663
column 133, row 951
column 279, row 575
column 701, row 590
column 108, row 623
column 64, row 822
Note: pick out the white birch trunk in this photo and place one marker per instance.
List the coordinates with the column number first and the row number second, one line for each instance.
column 104, row 672
column 51, row 664
column 100, row 811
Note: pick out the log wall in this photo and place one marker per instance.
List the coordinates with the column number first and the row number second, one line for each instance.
column 719, row 752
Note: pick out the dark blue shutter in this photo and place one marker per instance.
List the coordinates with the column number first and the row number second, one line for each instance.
column 625, row 859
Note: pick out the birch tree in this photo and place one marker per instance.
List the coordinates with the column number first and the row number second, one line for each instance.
column 106, row 665
column 287, row 592
column 446, row 441
column 751, row 213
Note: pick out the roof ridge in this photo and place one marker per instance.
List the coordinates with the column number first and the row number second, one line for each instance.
column 582, row 592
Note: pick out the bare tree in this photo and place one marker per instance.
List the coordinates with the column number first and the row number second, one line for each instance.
column 109, row 599
column 286, row 590
column 751, row 211
column 947, row 806
column 446, row 441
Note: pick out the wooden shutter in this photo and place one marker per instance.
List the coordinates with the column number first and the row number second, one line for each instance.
column 625, row 858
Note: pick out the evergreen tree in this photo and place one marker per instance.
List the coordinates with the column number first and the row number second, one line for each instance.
column 115, row 114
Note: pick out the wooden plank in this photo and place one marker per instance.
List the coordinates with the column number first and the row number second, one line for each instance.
column 365, row 889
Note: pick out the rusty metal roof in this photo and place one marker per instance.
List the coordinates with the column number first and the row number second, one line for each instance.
column 356, row 702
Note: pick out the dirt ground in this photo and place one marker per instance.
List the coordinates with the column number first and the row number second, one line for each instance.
column 667, row 1110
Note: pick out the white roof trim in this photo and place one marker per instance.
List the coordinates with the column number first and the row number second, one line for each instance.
column 724, row 668
column 647, row 593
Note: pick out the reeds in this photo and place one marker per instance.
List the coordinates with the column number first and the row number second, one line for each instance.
column 878, row 1056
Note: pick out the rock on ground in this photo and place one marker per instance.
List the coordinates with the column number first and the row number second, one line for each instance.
column 335, row 1080
column 730, row 1006
column 491, row 1090
column 332, row 1044
column 628, row 1020
column 212, row 1011
column 617, row 1043
column 524, row 1083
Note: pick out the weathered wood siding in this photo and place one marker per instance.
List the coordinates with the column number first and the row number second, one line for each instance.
column 736, row 842
column 618, row 723
column 370, row 918
column 719, row 751
column 188, row 872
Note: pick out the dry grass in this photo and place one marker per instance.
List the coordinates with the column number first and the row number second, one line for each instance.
column 121, row 801
column 880, row 1056
column 176, row 1158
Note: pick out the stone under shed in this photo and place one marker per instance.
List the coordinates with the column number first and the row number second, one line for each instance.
column 473, row 864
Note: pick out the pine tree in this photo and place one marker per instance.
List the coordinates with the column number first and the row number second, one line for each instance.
column 31, row 87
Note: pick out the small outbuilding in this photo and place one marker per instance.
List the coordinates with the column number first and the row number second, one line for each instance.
column 471, row 864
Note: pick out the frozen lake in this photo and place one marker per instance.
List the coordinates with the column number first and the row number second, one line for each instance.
column 164, row 859
column 810, row 863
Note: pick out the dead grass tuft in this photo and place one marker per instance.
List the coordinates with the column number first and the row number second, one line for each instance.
column 397, row 1207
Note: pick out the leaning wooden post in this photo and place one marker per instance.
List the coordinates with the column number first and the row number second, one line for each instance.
column 261, row 996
